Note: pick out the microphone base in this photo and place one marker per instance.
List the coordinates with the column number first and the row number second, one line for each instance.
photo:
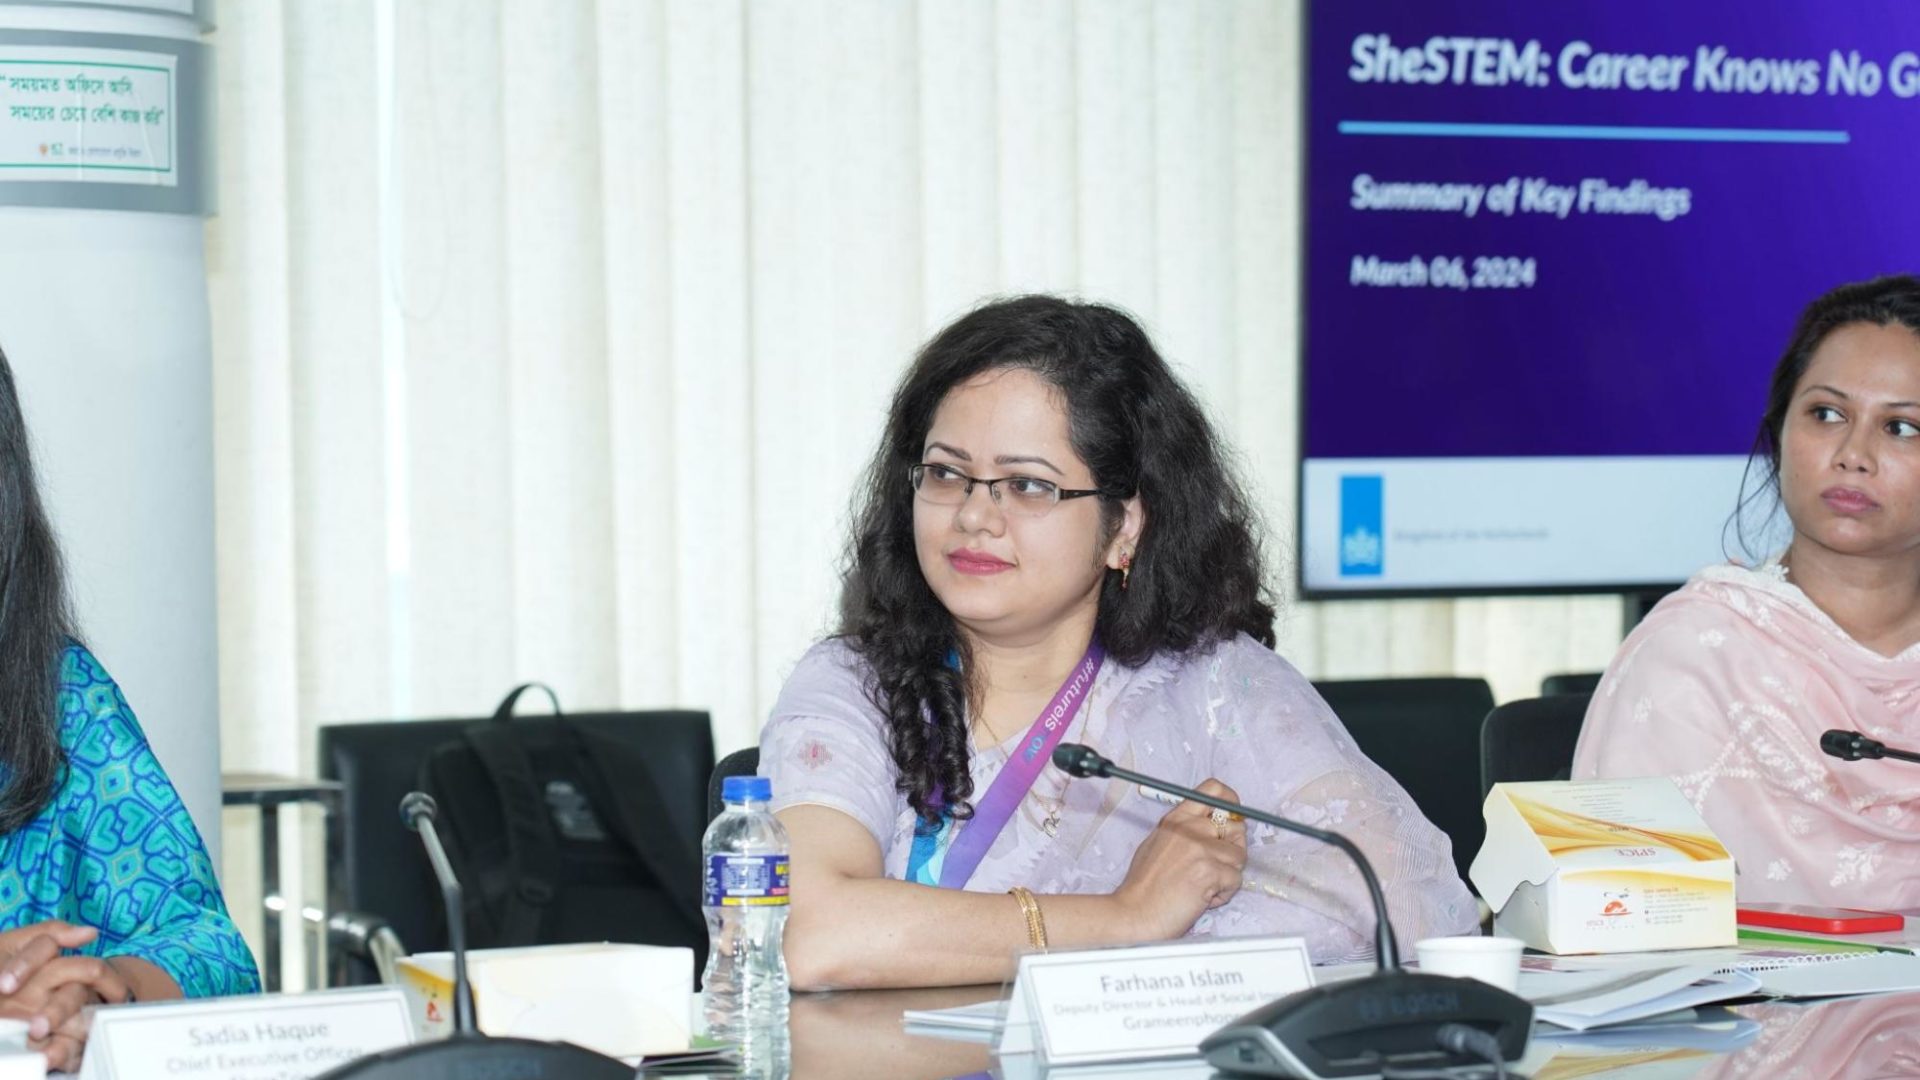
column 1351, row 1028
column 466, row 1056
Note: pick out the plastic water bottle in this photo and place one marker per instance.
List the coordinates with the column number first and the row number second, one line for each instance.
column 745, row 985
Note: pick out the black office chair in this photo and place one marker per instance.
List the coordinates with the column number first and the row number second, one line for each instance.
column 739, row 763
column 1585, row 682
column 1531, row 740
column 387, row 872
column 1426, row 734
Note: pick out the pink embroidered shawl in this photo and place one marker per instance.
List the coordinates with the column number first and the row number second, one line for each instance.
column 1726, row 688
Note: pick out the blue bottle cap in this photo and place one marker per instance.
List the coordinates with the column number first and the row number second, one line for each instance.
column 735, row 789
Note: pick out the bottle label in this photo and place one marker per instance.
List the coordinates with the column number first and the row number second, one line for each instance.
column 746, row 880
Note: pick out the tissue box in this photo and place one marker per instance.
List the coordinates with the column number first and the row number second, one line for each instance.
column 624, row 1001
column 1601, row 866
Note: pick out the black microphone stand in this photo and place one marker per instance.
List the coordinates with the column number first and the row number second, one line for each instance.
column 1353, row 1028
column 417, row 810
column 1386, row 950
column 468, row 1052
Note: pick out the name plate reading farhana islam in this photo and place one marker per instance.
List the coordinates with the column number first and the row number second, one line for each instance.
column 1142, row 1003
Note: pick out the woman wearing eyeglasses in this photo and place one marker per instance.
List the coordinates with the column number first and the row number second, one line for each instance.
column 1050, row 547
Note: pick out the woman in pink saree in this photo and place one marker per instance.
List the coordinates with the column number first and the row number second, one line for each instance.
column 1727, row 685
column 1050, row 547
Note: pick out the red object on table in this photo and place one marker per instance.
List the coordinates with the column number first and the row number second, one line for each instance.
column 1818, row 920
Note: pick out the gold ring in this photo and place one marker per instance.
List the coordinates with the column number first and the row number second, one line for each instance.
column 1220, row 819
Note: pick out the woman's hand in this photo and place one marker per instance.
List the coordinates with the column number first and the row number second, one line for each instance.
column 51, row 991
column 1186, row 865
column 64, row 935
column 64, row 1045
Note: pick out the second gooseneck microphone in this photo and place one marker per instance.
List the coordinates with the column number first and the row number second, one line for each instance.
column 1078, row 759
column 1389, row 1020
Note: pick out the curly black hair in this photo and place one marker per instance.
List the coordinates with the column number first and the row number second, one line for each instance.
column 1196, row 576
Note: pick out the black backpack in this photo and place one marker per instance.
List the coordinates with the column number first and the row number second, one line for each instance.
column 558, row 835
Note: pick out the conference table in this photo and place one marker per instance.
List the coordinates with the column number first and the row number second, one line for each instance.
column 853, row 1035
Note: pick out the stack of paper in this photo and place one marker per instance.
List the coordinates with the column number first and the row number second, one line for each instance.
column 1581, row 1000
column 1587, row 992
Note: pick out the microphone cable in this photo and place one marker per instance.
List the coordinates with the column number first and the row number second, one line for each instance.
column 1460, row 1040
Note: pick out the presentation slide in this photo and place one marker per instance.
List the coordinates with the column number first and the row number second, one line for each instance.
column 1553, row 252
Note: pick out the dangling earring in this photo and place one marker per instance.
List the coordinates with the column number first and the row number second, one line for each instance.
column 1126, row 568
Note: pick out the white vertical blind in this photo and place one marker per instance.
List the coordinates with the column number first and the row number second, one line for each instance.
column 649, row 269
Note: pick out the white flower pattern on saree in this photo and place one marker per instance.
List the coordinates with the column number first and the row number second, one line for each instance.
column 1725, row 688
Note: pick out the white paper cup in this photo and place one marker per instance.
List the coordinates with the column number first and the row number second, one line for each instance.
column 22, row 1065
column 1492, row 960
column 13, row 1036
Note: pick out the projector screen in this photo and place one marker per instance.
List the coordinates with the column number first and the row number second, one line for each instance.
column 1552, row 254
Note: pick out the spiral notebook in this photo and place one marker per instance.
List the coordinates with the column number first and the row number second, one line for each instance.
column 1837, row 975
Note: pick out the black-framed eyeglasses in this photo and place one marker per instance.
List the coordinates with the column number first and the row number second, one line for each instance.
column 1028, row 496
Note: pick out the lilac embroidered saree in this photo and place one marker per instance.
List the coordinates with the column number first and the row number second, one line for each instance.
column 1235, row 711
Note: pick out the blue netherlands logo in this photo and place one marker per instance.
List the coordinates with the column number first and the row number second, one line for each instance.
column 1362, row 528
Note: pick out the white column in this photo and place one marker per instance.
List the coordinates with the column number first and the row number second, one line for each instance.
column 103, row 314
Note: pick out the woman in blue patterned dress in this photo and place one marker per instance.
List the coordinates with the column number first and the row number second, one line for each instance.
column 106, row 891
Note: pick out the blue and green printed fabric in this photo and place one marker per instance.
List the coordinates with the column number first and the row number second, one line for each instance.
column 115, row 848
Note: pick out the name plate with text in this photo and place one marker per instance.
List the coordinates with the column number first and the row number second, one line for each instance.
column 267, row 1037
column 1145, row 1002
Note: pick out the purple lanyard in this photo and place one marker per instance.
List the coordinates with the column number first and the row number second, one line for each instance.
column 991, row 814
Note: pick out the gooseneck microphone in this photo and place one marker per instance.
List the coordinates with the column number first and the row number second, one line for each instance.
column 467, row 1052
column 1079, row 760
column 417, row 811
column 1391, row 1019
column 1852, row 746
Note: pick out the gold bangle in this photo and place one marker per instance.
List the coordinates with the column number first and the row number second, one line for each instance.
column 1036, row 924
